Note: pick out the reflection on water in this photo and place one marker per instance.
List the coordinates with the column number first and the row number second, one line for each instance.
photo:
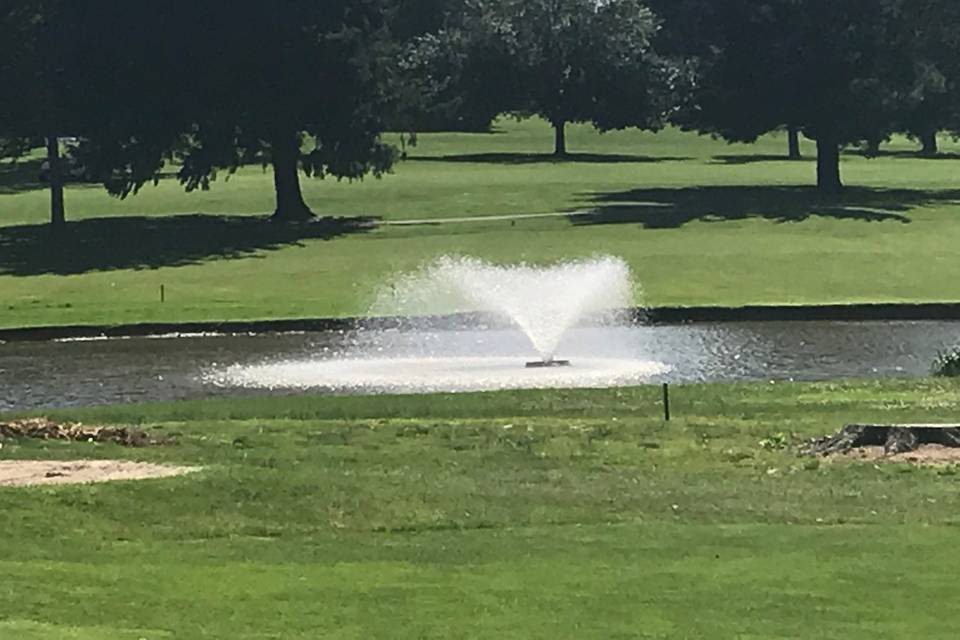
column 55, row 374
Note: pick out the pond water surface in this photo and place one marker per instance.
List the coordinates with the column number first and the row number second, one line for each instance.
column 88, row 372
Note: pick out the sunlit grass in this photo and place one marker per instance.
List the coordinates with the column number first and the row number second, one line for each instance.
column 700, row 222
column 535, row 514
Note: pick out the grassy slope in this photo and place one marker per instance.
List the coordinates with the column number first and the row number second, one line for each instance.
column 750, row 234
column 430, row 517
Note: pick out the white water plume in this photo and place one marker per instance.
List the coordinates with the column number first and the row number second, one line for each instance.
column 544, row 302
column 429, row 375
column 580, row 300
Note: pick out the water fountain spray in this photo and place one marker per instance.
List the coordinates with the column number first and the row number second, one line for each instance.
column 543, row 302
column 488, row 316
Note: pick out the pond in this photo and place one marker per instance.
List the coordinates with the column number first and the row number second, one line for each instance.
column 107, row 371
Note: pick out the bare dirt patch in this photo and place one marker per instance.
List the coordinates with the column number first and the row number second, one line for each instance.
column 22, row 473
column 931, row 454
column 923, row 444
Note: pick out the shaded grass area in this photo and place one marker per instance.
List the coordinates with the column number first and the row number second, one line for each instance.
column 545, row 158
column 672, row 208
column 106, row 244
column 538, row 514
column 20, row 177
column 697, row 225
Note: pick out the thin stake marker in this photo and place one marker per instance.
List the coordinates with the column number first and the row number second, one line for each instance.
column 666, row 402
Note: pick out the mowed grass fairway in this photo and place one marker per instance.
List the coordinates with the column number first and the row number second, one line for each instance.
column 700, row 221
column 543, row 514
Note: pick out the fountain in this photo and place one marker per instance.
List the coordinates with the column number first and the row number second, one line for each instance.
column 543, row 302
column 490, row 315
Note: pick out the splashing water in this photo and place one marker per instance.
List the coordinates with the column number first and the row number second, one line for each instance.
column 544, row 302
column 429, row 375
column 582, row 301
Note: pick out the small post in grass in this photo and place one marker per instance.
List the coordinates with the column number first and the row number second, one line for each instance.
column 163, row 294
column 666, row 402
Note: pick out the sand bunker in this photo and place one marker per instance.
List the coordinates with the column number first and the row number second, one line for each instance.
column 914, row 443
column 933, row 454
column 21, row 473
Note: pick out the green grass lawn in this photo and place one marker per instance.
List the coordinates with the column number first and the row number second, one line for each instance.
column 536, row 514
column 701, row 222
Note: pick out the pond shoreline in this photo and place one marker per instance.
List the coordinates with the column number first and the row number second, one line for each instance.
column 640, row 315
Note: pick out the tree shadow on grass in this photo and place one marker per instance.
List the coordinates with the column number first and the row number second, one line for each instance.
column 901, row 154
column 742, row 159
column 24, row 175
column 737, row 159
column 18, row 177
column 546, row 158
column 673, row 208
column 105, row 244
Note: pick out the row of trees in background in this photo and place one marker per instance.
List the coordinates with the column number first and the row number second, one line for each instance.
column 310, row 85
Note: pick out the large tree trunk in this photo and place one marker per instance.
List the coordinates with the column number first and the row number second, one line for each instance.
column 57, row 215
column 828, row 165
column 559, row 138
column 285, row 157
column 793, row 143
column 929, row 142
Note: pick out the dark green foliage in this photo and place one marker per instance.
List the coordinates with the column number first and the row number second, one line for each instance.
column 310, row 85
column 210, row 86
column 565, row 60
column 443, row 84
column 298, row 88
column 947, row 364
column 930, row 100
column 43, row 89
column 841, row 72
column 412, row 18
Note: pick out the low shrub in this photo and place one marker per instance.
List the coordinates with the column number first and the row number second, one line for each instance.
column 947, row 363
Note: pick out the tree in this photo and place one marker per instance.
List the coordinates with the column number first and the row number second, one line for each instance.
column 690, row 33
column 930, row 101
column 302, row 87
column 566, row 61
column 444, row 83
column 433, row 88
column 832, row 70
column 39, row 46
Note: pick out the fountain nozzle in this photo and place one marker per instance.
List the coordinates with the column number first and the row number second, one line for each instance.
column 547, row 363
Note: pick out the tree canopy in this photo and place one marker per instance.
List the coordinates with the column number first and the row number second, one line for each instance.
column 211, row 86
column 44, row 93
column 301, row 88
column 308, row 87
column 842, row 72
column 930, row 100
column 565, row 60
